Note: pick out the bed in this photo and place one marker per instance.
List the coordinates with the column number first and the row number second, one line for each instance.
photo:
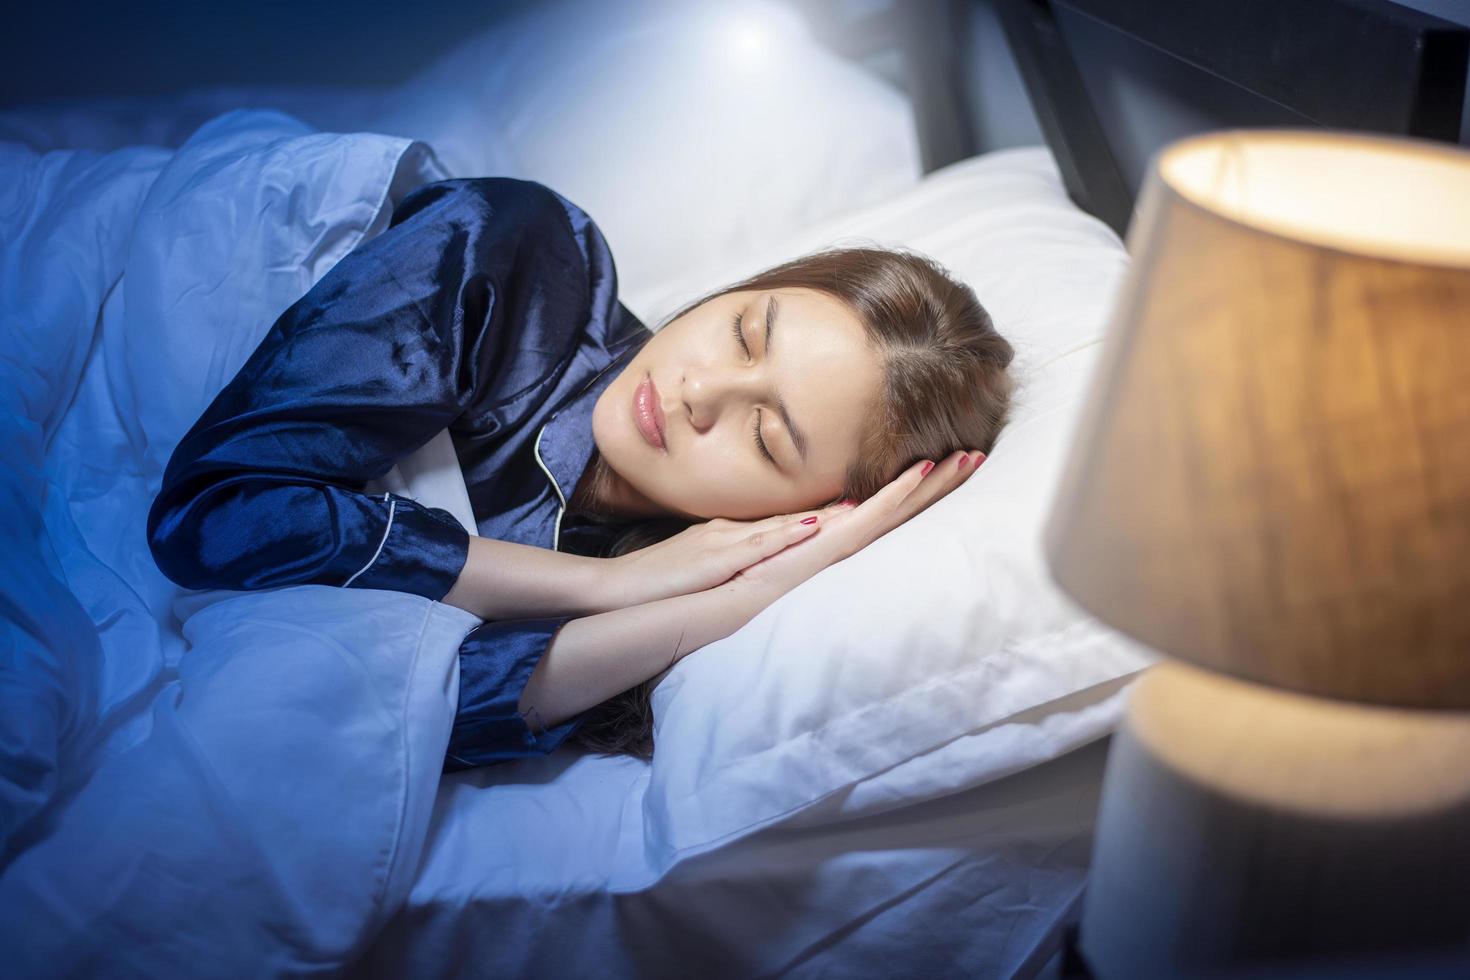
column 903, row 787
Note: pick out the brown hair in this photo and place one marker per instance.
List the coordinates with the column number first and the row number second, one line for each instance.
column 944, row 387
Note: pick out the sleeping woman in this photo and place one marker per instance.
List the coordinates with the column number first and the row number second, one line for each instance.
column 637, row 494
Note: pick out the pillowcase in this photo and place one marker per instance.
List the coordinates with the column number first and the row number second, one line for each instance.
column 942, row 655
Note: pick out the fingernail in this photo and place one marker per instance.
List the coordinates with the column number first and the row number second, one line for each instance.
column 979, row 457
column 809, row 520
column 928, row 465
column 964, row 460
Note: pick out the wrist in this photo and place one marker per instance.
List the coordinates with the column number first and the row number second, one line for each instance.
column 598, row 586
column 504, row 580
column 724, row 610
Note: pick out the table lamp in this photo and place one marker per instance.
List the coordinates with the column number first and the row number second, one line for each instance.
column 1270, row 485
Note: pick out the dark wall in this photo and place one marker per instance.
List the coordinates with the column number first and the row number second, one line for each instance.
column 70, row 49
column 149, row 47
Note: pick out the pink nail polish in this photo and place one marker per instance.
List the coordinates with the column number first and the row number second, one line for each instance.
column 809, row 520
column 928, row 465
column 964, row 460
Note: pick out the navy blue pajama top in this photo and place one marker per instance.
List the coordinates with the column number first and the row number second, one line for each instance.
column 488, row 307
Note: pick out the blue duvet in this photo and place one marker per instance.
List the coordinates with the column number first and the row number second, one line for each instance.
column 226, row 782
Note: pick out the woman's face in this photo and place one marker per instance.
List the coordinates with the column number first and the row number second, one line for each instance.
column 712, row 395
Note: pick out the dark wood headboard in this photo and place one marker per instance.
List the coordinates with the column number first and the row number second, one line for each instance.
column 1345, row 64
column 1348, row 64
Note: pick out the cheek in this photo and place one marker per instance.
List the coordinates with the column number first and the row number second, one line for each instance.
column 746, row 493
column 714, row 486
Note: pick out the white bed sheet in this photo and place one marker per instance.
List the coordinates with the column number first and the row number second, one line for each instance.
column 526, row 873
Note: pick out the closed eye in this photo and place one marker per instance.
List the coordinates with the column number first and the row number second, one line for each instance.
column 740, row 339
column 740, row 335
column 759, row 441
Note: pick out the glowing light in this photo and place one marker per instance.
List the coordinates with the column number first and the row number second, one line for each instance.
column 749, row 41
column 749, row 35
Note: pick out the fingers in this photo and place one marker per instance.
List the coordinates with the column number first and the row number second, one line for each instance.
column 945, row 476
column 767, row 541
column 893, row 495
column 912, row 490
column 921, row 484
column 780, row 520
column 954, row 470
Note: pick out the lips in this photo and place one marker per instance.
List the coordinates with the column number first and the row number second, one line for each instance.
column 647, row 414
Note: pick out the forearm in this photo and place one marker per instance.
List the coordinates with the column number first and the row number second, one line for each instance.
column 256, row 527
column 592, row 658
column 505, row 580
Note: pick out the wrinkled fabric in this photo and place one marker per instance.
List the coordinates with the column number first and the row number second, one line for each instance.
column 495, row 662
column 488, row 307
column 259, row 767
column 63, row 243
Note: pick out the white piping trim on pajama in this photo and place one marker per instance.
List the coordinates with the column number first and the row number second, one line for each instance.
column 392, row 508
column 536, row 451
column 562, row 501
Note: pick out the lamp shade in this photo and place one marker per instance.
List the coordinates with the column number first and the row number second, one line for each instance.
column 1271, row 476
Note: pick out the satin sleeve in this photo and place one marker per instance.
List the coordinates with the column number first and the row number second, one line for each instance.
column 496, row 660
column 389, row 348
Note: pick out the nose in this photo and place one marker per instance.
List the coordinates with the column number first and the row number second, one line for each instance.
column 708, row 392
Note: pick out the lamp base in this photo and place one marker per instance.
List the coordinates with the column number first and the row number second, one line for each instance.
column 1243, row 826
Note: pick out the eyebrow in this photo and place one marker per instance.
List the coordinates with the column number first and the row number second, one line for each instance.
column 797, row 436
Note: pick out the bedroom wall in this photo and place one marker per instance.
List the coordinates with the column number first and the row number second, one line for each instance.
column 1140, row 93
column 151, row 47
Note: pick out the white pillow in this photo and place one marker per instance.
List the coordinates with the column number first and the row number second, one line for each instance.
column 693, row 133
column 942, row 655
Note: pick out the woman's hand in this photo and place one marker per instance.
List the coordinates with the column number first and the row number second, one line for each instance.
column 703, row 556
column 850, row 529
column 843, row 531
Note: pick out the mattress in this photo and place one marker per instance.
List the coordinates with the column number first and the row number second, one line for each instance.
column 531, row 869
